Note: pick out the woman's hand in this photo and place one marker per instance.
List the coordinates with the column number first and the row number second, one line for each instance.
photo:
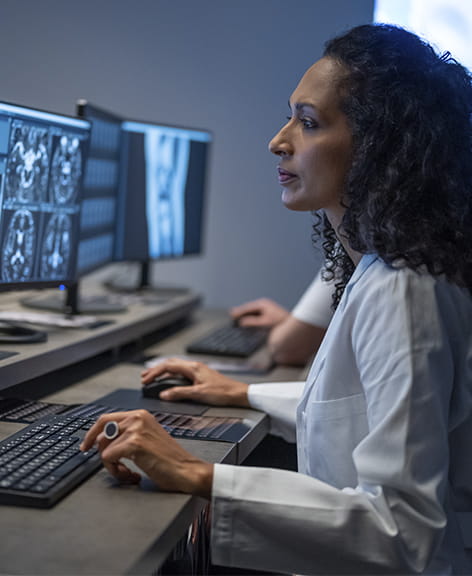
column 209, row 386
column 144, row 441
column 261, row 313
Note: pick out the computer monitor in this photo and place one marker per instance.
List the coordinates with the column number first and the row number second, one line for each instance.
column 163, row 181
column 42, row 161
column 101, row 188
column 96, row 244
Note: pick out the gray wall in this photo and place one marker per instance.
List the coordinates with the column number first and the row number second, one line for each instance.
column 228, row 66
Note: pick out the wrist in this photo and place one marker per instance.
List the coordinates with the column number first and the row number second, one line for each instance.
column 240, row 395
column 200, row 476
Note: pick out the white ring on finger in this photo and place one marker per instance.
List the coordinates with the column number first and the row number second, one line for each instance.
column 111, row 430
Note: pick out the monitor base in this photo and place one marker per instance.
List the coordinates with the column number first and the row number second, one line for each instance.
column 102, row 304
column 147, row 294
column 12, row 333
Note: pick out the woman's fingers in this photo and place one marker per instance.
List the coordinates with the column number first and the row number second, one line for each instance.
column 170, row 366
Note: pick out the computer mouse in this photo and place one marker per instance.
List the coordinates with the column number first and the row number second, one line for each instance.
column 153, row 389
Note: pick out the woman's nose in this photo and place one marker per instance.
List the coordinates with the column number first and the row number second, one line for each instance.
column 279, row 144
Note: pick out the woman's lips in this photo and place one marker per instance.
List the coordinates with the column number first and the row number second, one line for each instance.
column 284, row 176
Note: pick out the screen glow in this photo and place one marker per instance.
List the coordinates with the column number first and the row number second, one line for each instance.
column 446, row 24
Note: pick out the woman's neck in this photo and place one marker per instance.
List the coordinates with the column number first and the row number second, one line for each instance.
column 335, row 219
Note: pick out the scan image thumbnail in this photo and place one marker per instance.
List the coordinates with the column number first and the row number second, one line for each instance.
column 27, row 168
column 66, row 170
column 56, row 248
column 19, row 247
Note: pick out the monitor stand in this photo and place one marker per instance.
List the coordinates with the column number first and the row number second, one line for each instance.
column 149, row 293
column 71, row 303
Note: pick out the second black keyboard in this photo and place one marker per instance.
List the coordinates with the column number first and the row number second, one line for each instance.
column 230, row 340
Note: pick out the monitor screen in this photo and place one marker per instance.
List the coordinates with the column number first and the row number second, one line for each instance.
column 42, row 159
column 163, row 191
column 101, row 188
column 446, row 24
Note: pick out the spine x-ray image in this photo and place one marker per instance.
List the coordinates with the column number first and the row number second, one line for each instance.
column 167, row 158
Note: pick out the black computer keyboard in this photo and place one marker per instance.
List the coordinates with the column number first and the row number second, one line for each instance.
column 42, row 463
column 230, row 340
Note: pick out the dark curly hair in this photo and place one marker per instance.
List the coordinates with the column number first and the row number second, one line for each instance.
column 408, row 193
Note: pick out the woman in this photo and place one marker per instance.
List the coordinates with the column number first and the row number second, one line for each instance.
column 379, row 140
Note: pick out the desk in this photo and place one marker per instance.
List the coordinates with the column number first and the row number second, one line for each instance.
column 66, row 346
column 101, row 527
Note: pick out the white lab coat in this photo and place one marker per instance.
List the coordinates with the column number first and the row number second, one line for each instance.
column 384, row 427
column 314, row 306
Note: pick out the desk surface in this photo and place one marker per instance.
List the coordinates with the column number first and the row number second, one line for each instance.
column 105, row 528
column 68, row 345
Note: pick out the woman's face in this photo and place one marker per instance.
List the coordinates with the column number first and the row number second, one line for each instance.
column 314, row 146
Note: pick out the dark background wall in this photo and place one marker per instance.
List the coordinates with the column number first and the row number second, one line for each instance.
column 227, row 66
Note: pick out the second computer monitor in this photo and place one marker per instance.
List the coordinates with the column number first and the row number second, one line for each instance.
column 164, row 173
column 101, row 189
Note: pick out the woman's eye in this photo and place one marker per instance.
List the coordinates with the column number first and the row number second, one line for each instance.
column 309, row 123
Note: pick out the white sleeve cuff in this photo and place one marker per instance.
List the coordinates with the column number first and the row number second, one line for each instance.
column 279, row 401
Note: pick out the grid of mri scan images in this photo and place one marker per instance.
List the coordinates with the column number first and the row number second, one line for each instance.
column 42, row 159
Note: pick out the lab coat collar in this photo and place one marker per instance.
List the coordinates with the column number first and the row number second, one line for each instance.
column 365, row 262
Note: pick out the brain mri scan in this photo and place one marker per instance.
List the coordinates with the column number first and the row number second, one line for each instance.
column 18, row 247
column 56, row 247
column 66, row 170
column 27, row 168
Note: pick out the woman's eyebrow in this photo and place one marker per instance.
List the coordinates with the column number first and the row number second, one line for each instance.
column 300, row 105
